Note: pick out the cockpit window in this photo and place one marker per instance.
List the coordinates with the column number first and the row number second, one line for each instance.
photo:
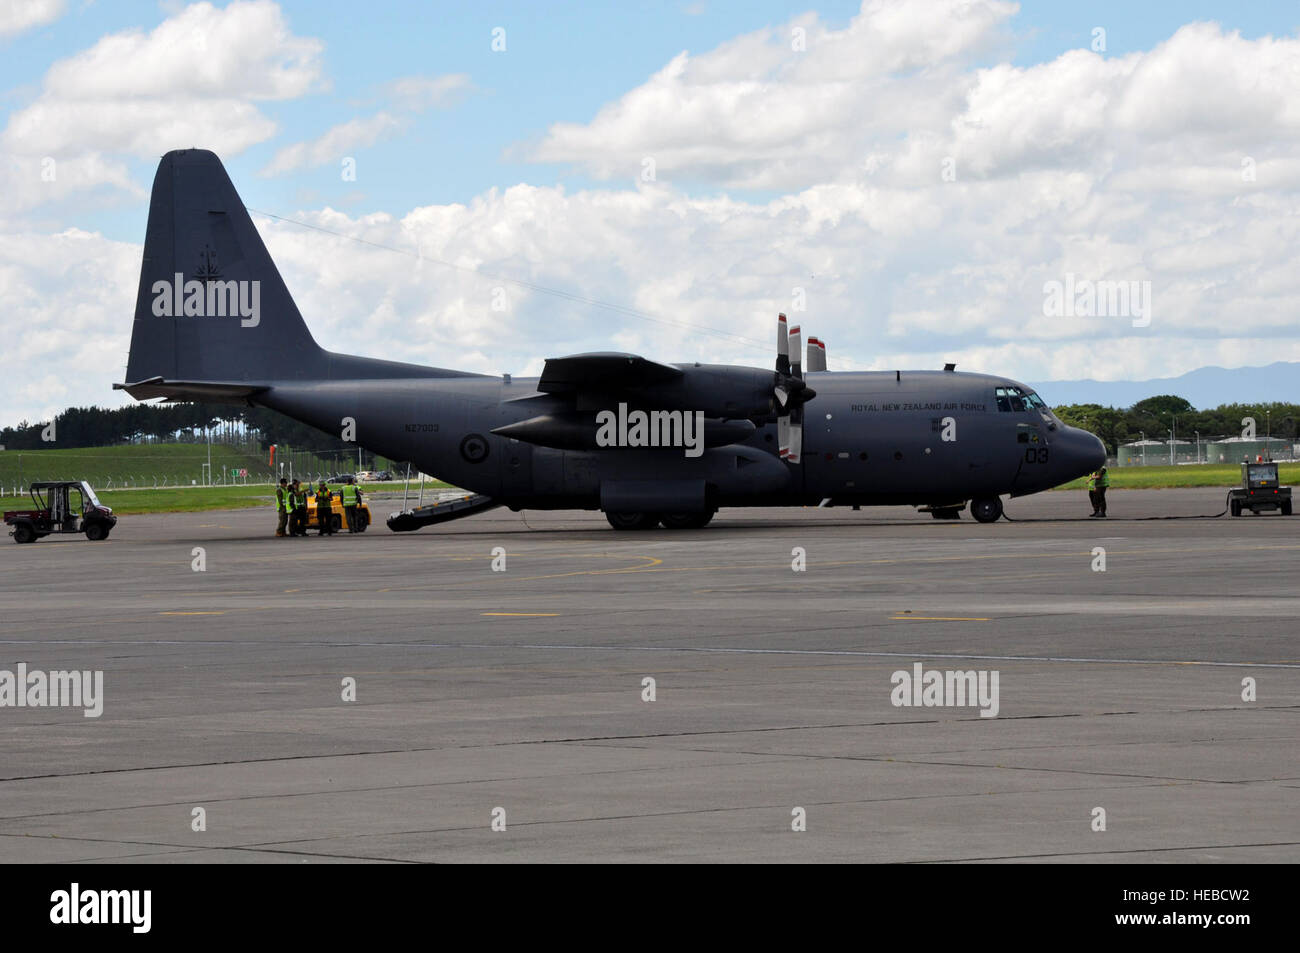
column 1012, row 399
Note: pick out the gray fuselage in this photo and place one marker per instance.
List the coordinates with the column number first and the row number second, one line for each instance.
column 910, row 437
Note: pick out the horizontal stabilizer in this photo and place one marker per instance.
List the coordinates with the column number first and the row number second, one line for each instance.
column 227, row 392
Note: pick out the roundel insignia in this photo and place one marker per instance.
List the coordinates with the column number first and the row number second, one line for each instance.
column 474, row 448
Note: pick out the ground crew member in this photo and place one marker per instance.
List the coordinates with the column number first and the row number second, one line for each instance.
column 351, row 497
column 1097, row 484
column 324, row 510
column 282, row 507
column 299, row 510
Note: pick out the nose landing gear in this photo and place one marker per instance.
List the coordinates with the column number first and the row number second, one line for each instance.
column 986, row 509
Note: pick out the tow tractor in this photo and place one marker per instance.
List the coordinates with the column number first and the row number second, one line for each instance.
column 1259, row 491
column 62, row 506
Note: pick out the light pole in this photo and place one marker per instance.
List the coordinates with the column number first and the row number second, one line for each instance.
column 1198, row 447
column 1143, row 435
column 1173, row 432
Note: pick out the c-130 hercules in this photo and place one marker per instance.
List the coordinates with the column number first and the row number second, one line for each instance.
column 645, row 442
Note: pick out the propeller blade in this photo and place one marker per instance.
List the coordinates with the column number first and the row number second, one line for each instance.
column 783, row 436
column 816, row 354
column 796, row 352
column 782, row 396
column 782, row 347
column 795, row 450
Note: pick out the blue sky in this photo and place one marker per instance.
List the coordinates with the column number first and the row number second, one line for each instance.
column 776, row 170
column 563, row 62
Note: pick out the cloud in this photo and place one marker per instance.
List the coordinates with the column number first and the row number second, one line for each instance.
column 195, row 79
column 18, row 16
column 334, row 145
column 790, row 106
column 408, row 95
column 416, row 93
column 1101, row 168
column 67, row 297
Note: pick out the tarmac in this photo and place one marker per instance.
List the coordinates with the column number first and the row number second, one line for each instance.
column 517, row 698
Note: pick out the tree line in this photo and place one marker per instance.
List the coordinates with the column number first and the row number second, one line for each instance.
column 168, row 423
column 1155, row 416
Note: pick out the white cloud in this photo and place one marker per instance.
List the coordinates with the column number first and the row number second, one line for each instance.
column 334, row 145
column 410, row 94
column 1072, row 166
column 758, row 111
column 422, row 92
column 194, row 80
column 68, row 298
column 18, row 16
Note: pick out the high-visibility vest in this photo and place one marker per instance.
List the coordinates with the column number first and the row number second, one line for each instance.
column 323, row 499
column 300, row 499
column 280, row 498
column 349, row 495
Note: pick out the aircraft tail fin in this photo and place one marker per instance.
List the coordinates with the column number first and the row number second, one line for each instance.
column 211, row 304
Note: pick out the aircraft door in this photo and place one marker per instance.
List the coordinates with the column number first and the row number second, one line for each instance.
column 1035, row 455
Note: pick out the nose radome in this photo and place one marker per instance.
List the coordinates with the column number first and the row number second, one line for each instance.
column 1087, row 449
column 1096, row 451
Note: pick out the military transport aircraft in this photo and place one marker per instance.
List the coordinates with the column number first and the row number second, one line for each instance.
column 646, row 442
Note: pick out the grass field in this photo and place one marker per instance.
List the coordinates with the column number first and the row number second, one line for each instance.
column 151, row 465
column 1205, row 474
column 136, row 465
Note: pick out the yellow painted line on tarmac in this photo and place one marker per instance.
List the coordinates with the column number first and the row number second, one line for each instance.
column 936, row 618
column 523, row 614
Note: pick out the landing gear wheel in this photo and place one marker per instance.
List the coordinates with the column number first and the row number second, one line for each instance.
column 630, row 521
column 96, row 532
column 951, row 513
column 687, row 520
column 24, row 534
column 986, row 509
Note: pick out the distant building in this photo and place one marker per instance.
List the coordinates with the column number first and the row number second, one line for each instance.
column 1237, row 449
column 1155, row 453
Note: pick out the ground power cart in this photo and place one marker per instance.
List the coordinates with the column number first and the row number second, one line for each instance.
column 1259, row 491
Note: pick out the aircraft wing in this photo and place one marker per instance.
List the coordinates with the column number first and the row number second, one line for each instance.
column 603, row 371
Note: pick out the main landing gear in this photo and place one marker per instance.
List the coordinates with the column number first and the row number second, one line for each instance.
column 634, row 521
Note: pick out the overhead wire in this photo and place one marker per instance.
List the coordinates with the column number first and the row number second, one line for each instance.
column 625, row 310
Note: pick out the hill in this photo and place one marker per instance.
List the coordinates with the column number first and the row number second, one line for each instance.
column 1204, row 387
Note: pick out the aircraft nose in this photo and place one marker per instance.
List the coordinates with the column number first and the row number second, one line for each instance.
column 1084, row 452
